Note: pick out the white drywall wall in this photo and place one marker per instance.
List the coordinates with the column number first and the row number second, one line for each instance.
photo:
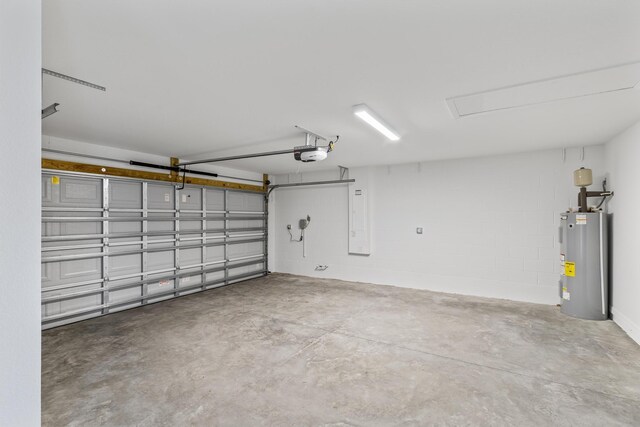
column 622, row 160
column 20, row 63
column 490, row 224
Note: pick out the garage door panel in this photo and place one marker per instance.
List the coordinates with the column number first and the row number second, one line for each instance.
column 129, row 295
column 51, row 309
column 46, row 189
column 125, row 264
column 160, row 260
column 161, row 245
column 215, row 225
column 86, row 227
column 190, row 282
column 161, row 225
column 160, row 196
column 80, row 303
column 125, row 243
column 49, row 229
column 239, row 201
column 138, row 242
column 46, row 274
column 159, row 285
column 190, row 225
column 215, row 200
column 67, row 242
column 190, row 257
column 159, row 298
column 82, row 269
column 191, row 198
column 125, row 195
column 215, row 277
column 254, row 202
column 80, row 192
column 125, row 227
column 234, row 271
column 246, row 223
column 215, row 253
column 245, row 249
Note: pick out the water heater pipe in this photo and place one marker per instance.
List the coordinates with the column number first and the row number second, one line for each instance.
column 584, row 194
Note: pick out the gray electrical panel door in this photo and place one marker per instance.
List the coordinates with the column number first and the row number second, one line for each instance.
column 110, row 244
column 584, row 287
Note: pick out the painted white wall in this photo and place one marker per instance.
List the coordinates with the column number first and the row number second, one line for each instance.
column 20, row 63
column 622, row 156
column 490, row 224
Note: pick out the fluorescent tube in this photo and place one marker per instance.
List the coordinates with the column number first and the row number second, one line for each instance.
column 375, row 121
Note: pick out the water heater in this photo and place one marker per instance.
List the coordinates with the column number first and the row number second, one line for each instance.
column 583, row 258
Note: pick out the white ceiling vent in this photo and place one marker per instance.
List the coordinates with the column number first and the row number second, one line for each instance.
column 538, row 92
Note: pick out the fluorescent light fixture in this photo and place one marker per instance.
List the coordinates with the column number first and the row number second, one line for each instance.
column 51, row 109
column 366, row 114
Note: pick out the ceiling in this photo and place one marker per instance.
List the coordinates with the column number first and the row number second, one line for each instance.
column 201, row 78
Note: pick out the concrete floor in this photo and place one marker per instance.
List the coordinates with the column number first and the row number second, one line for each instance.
column 289, row 350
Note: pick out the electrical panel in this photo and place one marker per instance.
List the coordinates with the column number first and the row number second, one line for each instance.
column 359, row 227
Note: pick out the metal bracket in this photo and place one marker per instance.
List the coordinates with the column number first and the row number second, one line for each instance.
column 309, row 133
column 344, row 172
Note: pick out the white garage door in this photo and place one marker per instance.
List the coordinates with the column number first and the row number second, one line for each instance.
column 109, row 244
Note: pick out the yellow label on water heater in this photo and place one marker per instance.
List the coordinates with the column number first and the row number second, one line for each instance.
column 570, row 269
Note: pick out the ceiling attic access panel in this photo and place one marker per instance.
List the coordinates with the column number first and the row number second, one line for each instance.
column 577, row 85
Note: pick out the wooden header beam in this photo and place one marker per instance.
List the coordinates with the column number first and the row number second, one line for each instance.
column 173, row 176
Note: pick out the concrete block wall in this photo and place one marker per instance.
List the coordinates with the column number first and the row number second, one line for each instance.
column 490, row 224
